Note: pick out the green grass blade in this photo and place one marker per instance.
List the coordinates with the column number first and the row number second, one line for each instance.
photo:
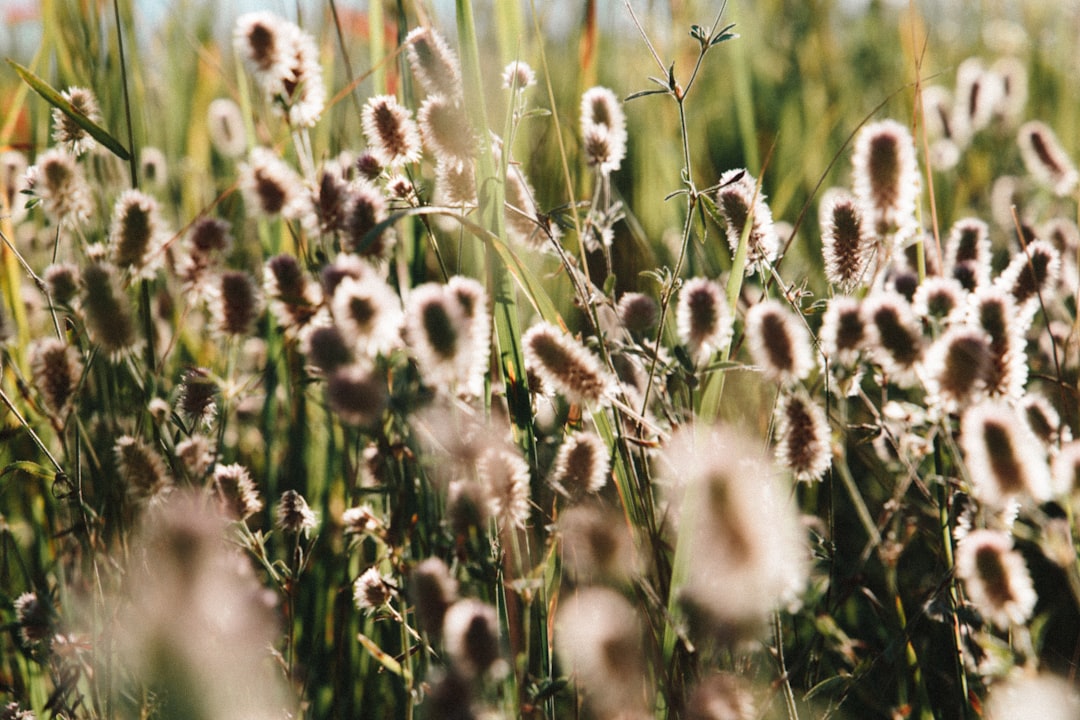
column 57, row 100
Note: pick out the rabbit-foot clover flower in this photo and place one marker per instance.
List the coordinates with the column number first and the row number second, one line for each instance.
column 136, row 235
column 779, row 342
column 1004, row 458
column 433, row 63
column 846, row 241
column 995, row 577
column 392, row 135
column 565, row 365
column 1045, row 159
column 68, row 132
column 802, row 438
column 703, row 320
column 581, row 466
column 740, row 201
column 885, row 178
column 236, row 491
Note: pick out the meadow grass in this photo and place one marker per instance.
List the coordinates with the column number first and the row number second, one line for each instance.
column 710, row 362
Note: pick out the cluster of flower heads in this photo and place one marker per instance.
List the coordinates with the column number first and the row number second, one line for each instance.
column 284, row 61
column 949, row 331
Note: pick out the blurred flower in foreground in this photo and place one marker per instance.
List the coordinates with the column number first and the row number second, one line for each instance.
column 598, row 639
column 744, row 544
column 1033, row 697
column 195, row 625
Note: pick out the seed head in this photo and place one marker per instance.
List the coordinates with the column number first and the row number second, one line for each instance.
column 522, row 220
column 603, row 128
column 886, row 179
column 802, row 438
column 13, row 165
column 206, row 242
column 846, row 241
column 448, row 330
column 843, row 331
column 504, row 474
column 1029, row 696
column 62, row 281
column 1004, row 458
column 238, row 303
column 957, row 367
column 581, row 467
column 55, row 368
column 141, row 468
column 371, row 590
column 59, row 183
column 365, row 208
column 779, row 343
column 471, row 636
column 293, row 514
column 153, row 167
column 978, row 94
column 433, row 63
column 432, row 589
column 368, row 313
column 361, row 520
column 969, row 242
column 564, row 364
column 742, row 533
column 327, row 349
column 595, row 546
column 941, row 299
column 995, row 312
column 893, row 335
column 33, row 615
column 722, row 696
column 1045, row 159
column 392, row 134
column 356, row 394
column 737, row 199
column 995, row 577
column 1044, row 421
column 68, row 132
column 446, row 132
column 226, row 124
column 1029, row 277
column 107, row 309
column 703, row 319
column 518, row 76
column 598, row 640
column 135, row 234
column 1065, row 468
column 302, row 95
column 236, row 492
column 295, row 299
column 455, row 184
column 260, row 40
column 638, row 312
column 270, row 187
column 196, row 455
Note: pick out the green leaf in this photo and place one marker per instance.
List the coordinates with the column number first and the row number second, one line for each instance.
column 644, row 93
column 723, row 35
column 30, row 468
column 385, row 659
column 57, row 100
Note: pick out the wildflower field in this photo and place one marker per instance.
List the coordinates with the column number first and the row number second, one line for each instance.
column 548, row 359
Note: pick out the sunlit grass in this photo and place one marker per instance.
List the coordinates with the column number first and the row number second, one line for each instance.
column 296, row 439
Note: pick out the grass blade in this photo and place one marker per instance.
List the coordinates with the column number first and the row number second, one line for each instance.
column 57, row 100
